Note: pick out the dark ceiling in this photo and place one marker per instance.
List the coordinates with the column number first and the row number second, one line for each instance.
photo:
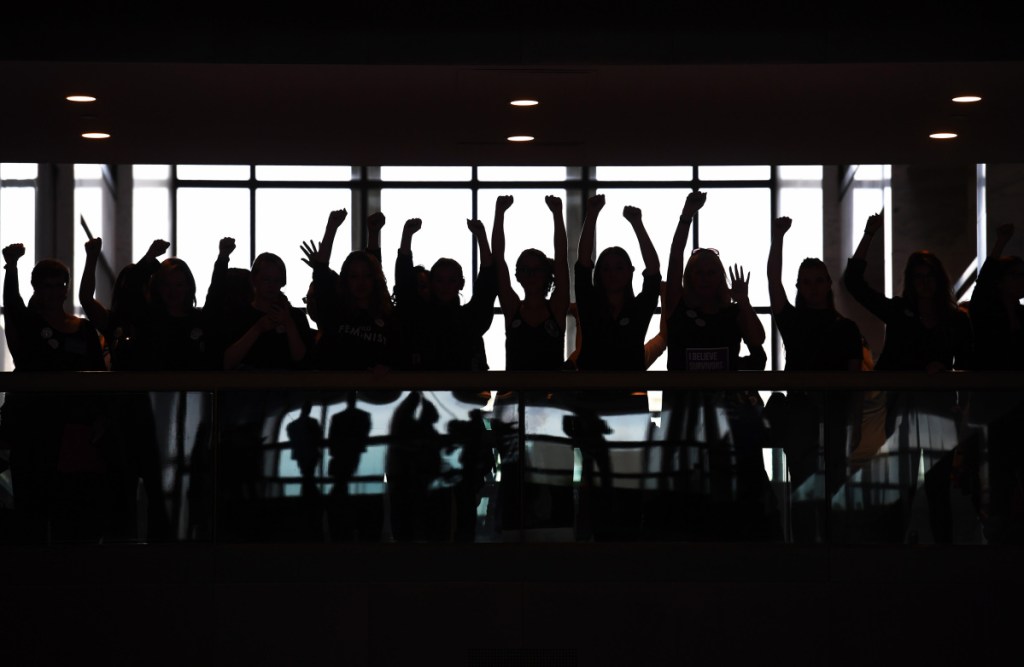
column 393, row 83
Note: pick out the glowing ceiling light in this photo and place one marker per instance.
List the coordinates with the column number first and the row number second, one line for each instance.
column 524, row 103
column 95, row 135
column 966, row 99
column 519, row 138
column 80, row 98
column 943, row 135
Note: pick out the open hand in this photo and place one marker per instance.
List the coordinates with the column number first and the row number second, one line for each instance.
column 740, row 283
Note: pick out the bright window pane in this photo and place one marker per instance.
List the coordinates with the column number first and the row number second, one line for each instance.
column 796, row 172
column 425, row 173
column 205, row 216
column 644, row 173
column 302, row 173
column 660, row 207
column 729, row 173
column 19, row 170
column 738, row 223
column 213, row 172
column 444, row 233
column 801, row 200
column 18, row 225
column 151, row 206
column 521, row 173
column 151, row 172
column 494, row 344
column 93, row 203
column 285, row 218
column 528, row 224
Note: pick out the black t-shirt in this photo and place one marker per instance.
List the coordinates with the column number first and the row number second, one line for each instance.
column 352, row 340
column 818, row 340
column 444, row 337
column 909, row 344
column 534, row 348
column 614, row 344
column 997, row 346
column 699, row 341
column 271, row 350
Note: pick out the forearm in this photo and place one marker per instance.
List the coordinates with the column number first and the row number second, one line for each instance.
column 861, row 252
column 677, row 252
column 776, row 291
column 585, row 255
column 498, row 237
column 647, row 251
column 486, row 258
column 327, row 243
column 750, row 324
column 12, row 289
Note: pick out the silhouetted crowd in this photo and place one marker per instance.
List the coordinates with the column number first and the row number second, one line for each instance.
column 153, row 324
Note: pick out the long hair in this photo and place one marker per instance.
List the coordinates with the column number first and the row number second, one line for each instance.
column 270, row 258
column 547, row 263
column 167, row 267
column 602, row 292
column 814, row 263
column 943, row 290
column 445, row 263
column 380, row 301
column 699, row 255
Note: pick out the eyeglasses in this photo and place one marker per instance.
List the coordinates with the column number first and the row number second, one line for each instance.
column 696, row 250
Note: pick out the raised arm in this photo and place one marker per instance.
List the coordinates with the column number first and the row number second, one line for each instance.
column 585, row 255
column 215, row 295
column 506, row 295
column 94, row 310
column 1003, row 235
column 480, row 234
column 334, row 221
column 560, row 294
column 677, row 253
column 873, row 225
column 776, row 291
column 14, row 306
column 405, row 275
column 750, row 325
column 647, row 252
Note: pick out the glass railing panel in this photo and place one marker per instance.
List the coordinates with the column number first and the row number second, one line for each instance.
column 105, row 467
column 364, row 466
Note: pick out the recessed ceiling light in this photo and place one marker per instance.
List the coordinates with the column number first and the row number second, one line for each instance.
column 95, row 135
column 520, row 138
column 525, row 102
column 80, row 98
column 943, row 135
column 966, row 99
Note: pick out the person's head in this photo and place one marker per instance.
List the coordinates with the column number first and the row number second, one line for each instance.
column 535, row 272
column 172, row 286
column 613, row 271
column 925, row 281
column 704, row 278
column 446, row 280
column 814, row 285
column 268, row 275
column 362, row 283
column 50, row 279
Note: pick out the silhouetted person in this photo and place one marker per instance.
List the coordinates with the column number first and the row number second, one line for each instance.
column 270, row 334
column 817, row 338
column 998, row 319
column 477, row 461
column 64, row 473
column 535, row 324
column 449, row 335
column 924, row 331
column 354, row 308
column 722, row 488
